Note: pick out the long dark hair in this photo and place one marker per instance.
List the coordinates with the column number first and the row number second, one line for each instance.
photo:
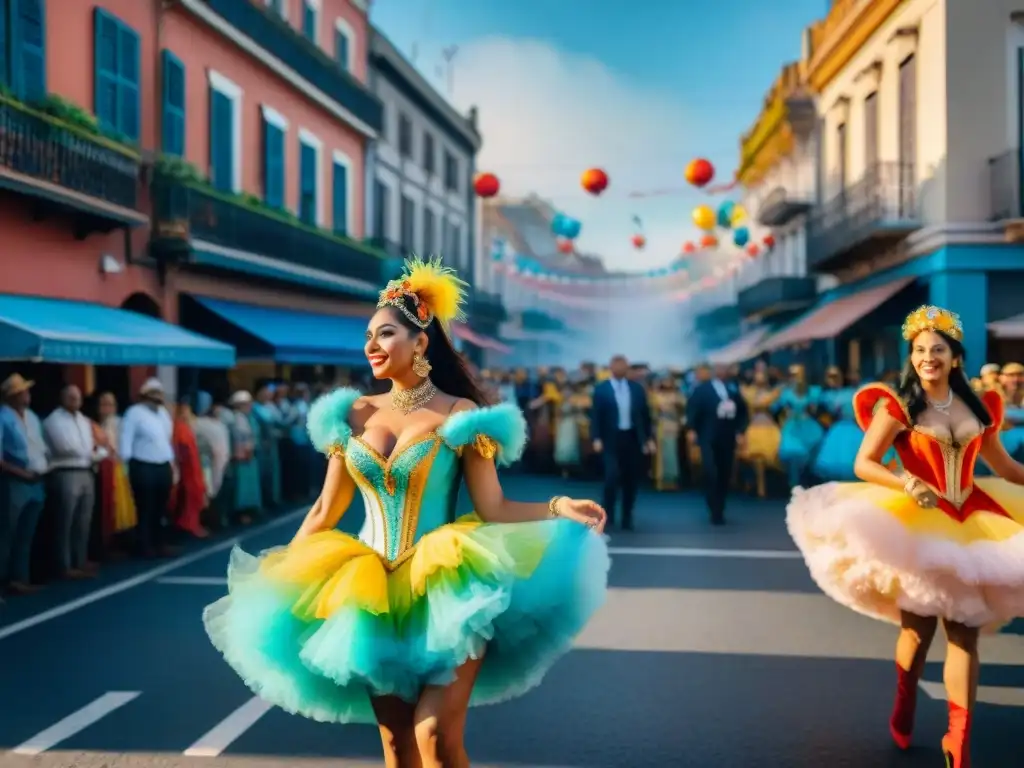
column 448, row 371
column 912, row 393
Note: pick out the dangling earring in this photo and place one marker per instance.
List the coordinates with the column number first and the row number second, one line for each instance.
column 420, row 365
column 956, row 363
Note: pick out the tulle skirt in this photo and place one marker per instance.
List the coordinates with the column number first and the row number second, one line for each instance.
column 320, row 626
column 876, row 551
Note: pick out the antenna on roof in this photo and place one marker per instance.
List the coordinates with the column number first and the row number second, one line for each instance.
column 449, row 54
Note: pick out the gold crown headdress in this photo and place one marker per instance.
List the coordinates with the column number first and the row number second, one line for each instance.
column 433, row 290
column 931, row 318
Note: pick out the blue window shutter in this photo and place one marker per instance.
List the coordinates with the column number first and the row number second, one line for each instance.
column 307, row 183
column 27, row 35
column 222, row 164
column 273, row 165
column 341, row 48
column 339, row 196
column 5, row 72
column 308, row 20
column 173, row 111
column 105, row 65
column 128, row 108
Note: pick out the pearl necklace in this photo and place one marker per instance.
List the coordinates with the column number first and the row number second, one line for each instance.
column 944, row 406
column 409, row 400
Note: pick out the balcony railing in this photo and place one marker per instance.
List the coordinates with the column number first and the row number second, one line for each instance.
column 780, row 206
column 42, row 148
column 775, row 294
column 191, row 212
column 876, row 211
column 281, row 40
column 1004, row 180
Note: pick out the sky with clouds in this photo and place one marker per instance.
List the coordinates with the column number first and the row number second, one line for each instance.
column 636, row 88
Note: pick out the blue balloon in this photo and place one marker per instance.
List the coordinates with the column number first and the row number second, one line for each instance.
column 571, row 228
column 741, row 236
column 725, row 214
column 557, row 223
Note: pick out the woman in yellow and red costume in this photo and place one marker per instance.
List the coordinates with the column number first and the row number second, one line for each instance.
column 931, row 543
column 422, row 615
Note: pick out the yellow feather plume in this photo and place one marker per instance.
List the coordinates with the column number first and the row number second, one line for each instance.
column 437, row 286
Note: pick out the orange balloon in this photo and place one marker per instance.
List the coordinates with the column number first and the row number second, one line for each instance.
column 753, row 250
column 639, row 241
column 594, row 180
column 689, row 247
column 565, row 246
column 708, row 241
column 699, row 172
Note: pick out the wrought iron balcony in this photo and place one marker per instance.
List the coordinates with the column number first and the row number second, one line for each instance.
column 874, row 213
column 781, row 207
column 282, row 41
column 187, row 212
column 776, row 294
column 67, row 169
column 1004, row 180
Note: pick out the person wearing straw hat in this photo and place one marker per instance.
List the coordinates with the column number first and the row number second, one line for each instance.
column 23, row 466
column 147, row 448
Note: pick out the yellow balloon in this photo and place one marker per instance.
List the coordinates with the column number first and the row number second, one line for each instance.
column 704, row 217
column 739, row 215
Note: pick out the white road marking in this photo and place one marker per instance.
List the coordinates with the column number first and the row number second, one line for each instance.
column 748, row 554
column 75, row 722
column 194, row 581
column 987, row 694
column 142, row 578
column 222, row 735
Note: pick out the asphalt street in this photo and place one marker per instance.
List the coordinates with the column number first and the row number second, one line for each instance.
column 715, row 649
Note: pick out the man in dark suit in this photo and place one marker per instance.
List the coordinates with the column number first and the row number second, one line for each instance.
column 716, row 421
column 620, row 426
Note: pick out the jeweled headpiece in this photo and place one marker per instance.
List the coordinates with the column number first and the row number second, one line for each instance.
column 931, row 318
column 433, row 291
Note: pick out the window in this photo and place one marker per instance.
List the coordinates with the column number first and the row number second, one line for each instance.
column 381, row 211
column 907, row 130
column 172, row 113
column 23, row 47
column 446, row 239
column 225, row 134
column 116, row 59
column 310, row 18
column 871, row 132
column 404, row 135
column 344, row 39
column 429, row 235
column 451, row 172
column 408, row 224
column 341, row 200
column 429, row 153
column 456, row 247
column 309, row 178
column 841, row 157
column 275, row 127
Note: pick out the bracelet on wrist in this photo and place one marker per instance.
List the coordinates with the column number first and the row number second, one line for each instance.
column 553, row 506
column 911, row 485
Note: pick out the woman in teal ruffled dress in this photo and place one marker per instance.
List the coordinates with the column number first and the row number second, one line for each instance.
column 424, row 614
column 801, row 431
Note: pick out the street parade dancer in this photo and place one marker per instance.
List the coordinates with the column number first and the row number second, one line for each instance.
column 932, row 542
column 422, row 615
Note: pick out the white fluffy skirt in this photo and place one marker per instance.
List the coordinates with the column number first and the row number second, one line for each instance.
column 868, row 551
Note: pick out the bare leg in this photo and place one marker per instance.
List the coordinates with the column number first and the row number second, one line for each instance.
column 441, row 720
column 960, row 673
column 395, row 719
column 759, row 477
column 916, row 635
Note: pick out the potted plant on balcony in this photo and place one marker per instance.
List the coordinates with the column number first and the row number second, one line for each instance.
column 171, row 233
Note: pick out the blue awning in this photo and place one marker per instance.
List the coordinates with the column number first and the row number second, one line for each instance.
column 60, row 331
column 282, row 335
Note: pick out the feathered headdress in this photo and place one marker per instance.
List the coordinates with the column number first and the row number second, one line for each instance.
column 932, row 318
column 434, row 290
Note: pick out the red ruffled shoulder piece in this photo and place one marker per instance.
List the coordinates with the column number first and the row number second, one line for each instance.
column 870, row 397
column 996, row 407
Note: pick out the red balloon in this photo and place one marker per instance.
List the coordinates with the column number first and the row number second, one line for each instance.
column 486, row 185
column 594, row 180
column 639, row 241
column 708, row 241
column 689, row 247
column 753, row 250
column 769, row 241
column 565, row 245
column 699, row 172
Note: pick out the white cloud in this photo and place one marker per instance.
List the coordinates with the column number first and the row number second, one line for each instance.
column 546, row 116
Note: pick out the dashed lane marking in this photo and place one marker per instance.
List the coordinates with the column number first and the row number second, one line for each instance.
column 75, row 722
column 228, row 730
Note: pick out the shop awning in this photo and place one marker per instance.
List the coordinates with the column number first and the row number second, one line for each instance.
column 282, row 335
column 50, row 330
column 1010, row 328
column 828, row 320
column 467, row 334
column 744, row 348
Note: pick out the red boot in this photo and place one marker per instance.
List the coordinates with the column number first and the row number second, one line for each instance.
column 956, row 744
column 901, row 724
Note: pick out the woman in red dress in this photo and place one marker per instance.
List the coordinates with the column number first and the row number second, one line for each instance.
column 932, row 543
column 188, row 499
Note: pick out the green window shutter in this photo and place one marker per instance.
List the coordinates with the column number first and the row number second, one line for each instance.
column 27, row 36
column 128, row 107
column 105, row 69
column 173, row 110
column 339, row 198
column 273, row 165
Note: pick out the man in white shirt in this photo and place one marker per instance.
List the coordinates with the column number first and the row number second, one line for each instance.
column 147, row 448
column 72, row 484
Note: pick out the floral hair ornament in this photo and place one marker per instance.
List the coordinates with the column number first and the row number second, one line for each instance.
column 931, row 318
column 434, row 291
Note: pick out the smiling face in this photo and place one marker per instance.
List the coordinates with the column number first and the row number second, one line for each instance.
column 390, row 345
column 932, row 357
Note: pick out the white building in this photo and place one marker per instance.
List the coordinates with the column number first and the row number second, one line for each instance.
column 419, row 181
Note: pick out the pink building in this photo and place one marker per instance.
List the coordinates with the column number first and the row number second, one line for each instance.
column 187, row 160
